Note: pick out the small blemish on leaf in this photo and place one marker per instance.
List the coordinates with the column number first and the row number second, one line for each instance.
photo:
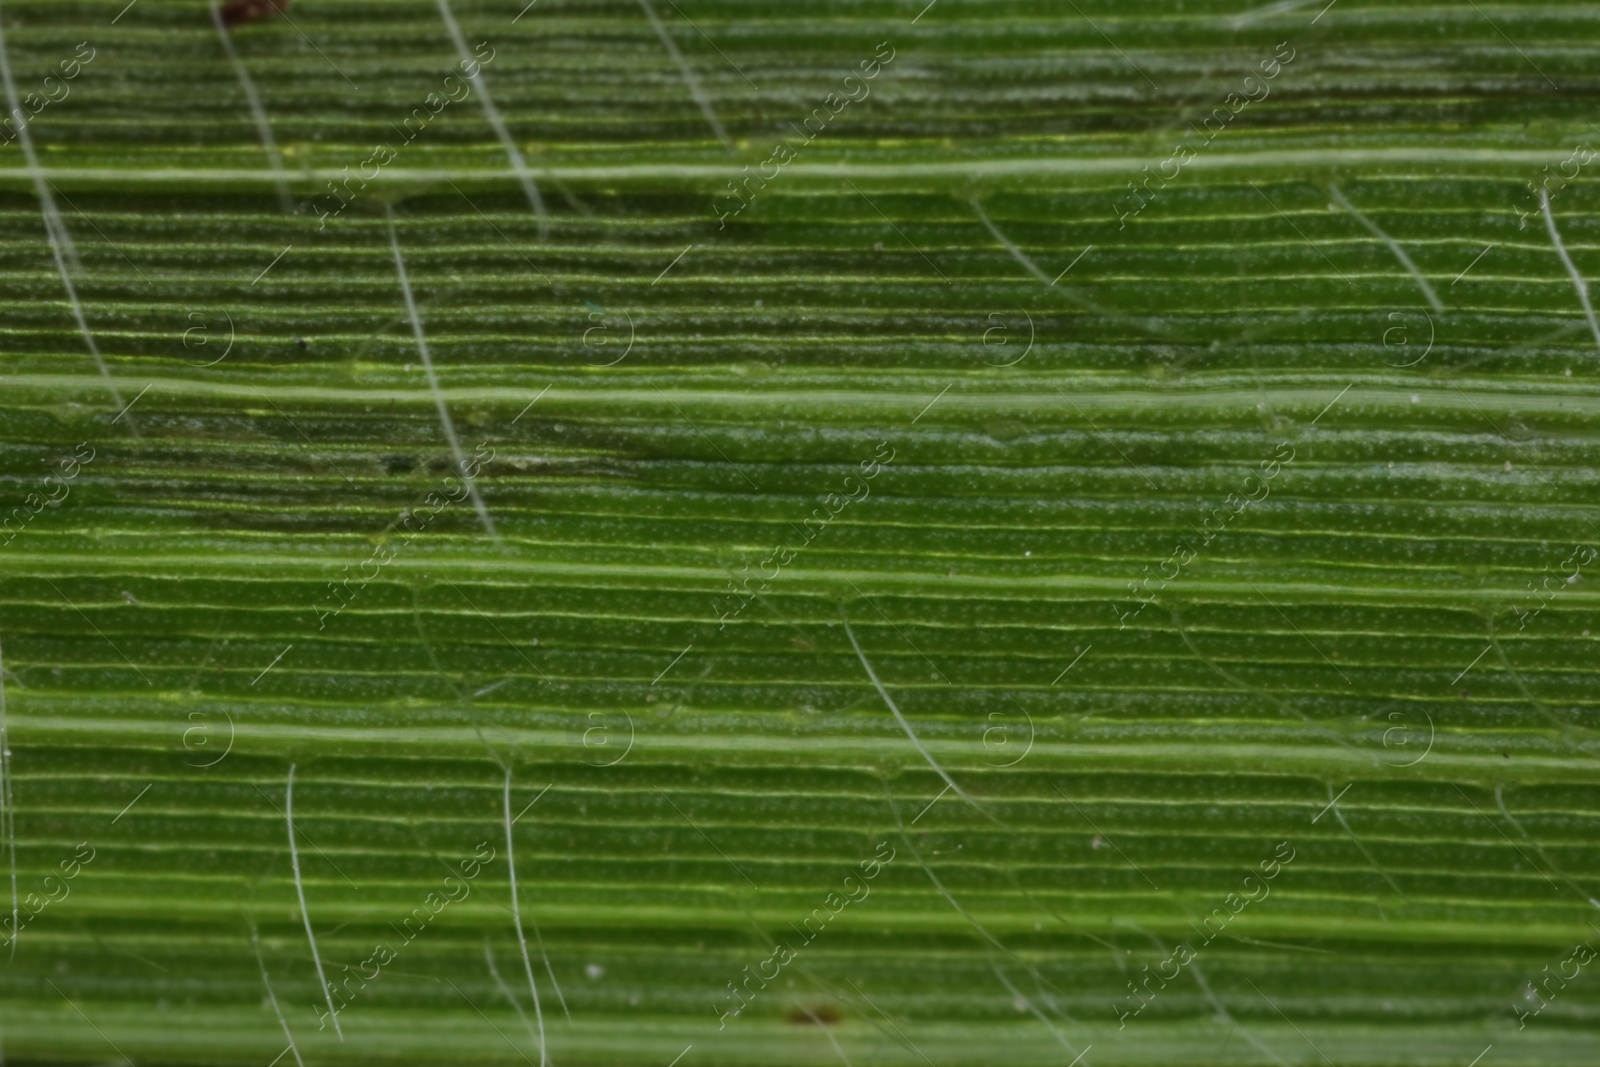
column 238, row 12
column 814, row 1015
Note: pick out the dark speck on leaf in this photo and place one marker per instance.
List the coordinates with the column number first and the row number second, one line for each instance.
column 238, row 12
column 301, row 341
column 813, row 1015
column 399, row 464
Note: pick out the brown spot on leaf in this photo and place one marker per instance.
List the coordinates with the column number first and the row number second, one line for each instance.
column 825, row 1014
column 237, row 12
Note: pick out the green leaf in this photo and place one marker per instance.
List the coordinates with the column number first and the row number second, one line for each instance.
column 711, row 533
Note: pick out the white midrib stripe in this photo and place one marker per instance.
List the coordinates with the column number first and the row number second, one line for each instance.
column 1062, row 166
